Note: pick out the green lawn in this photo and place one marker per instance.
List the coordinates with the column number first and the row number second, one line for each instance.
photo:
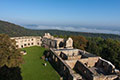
column 33, row 68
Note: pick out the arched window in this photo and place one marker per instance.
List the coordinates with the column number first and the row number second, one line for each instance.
column 21, row 46
column 61, row 44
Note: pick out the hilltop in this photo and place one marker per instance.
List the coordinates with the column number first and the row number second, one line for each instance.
column 16, row 30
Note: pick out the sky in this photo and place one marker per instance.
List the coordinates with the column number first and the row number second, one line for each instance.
column 90, row 13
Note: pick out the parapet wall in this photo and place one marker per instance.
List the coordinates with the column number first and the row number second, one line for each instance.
column 71, row 63
column 89, row 62
column 107, row 66
column 83, row 70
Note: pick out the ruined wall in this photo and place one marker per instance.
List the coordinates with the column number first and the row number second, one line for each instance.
column 63, row 68
column 74, row 57
column 106, row 66
column 49, row 42
column 89, row 62
column 70, row 52
column 57, row 42
column 83, row 70
column 60, row 66
column 71, row 63
column 69, row 43
column 26, row 41
column 107, row 77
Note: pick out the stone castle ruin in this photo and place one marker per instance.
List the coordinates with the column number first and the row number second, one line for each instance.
column 80, row 65
column 70, row 63
column 27, row 41
column 53, row 42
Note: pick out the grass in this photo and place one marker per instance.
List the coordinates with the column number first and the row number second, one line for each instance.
column 33, row 68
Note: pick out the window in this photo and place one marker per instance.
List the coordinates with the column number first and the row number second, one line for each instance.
column 31, row 43
column 21, row 46
column 38, row 43
column 31, row 39
column 24, row 44
column 16, row 46
column 28, row 44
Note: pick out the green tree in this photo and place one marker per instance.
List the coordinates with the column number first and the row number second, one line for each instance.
column 93, row 48
column 9, row 55
column 10, row 59
column 79, row 42
column 108, row 49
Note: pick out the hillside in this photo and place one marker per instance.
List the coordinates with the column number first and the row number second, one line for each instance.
column 16, row 30
column 13, row 29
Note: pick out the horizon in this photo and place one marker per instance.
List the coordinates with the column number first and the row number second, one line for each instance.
column 99, row 16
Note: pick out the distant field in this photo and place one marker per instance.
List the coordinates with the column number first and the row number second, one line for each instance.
column 33, row 68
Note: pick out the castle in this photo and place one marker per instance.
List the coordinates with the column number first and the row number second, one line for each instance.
column 70, row 63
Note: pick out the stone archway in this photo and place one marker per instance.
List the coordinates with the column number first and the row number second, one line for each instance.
column 61, row 44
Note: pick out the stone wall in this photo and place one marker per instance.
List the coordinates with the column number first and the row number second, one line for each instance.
column 63, row 68
column 68, row 52
column 58, row 43
column 71, row 63
column 60, row 66
column 93, row 69
column 77, row 57
column 27, row 41
column 83, row 70
column 89, row 62
column 69, row 43
column 106, row 66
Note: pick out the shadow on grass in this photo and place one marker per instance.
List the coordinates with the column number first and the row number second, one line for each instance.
column 10, row 73
column 46, row 54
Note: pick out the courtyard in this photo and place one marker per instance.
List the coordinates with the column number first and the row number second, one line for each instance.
column 33, row 68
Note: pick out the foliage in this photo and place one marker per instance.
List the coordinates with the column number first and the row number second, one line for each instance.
column 10, row 59
column 79, row 42
column 108, row 49
column 9, row 55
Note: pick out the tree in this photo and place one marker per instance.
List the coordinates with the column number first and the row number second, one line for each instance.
column 108, row 49
column 93, row 48
column 10, row 59
column 79, row 42
column 94, row 45
column 111, row 52
column 9, row 55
